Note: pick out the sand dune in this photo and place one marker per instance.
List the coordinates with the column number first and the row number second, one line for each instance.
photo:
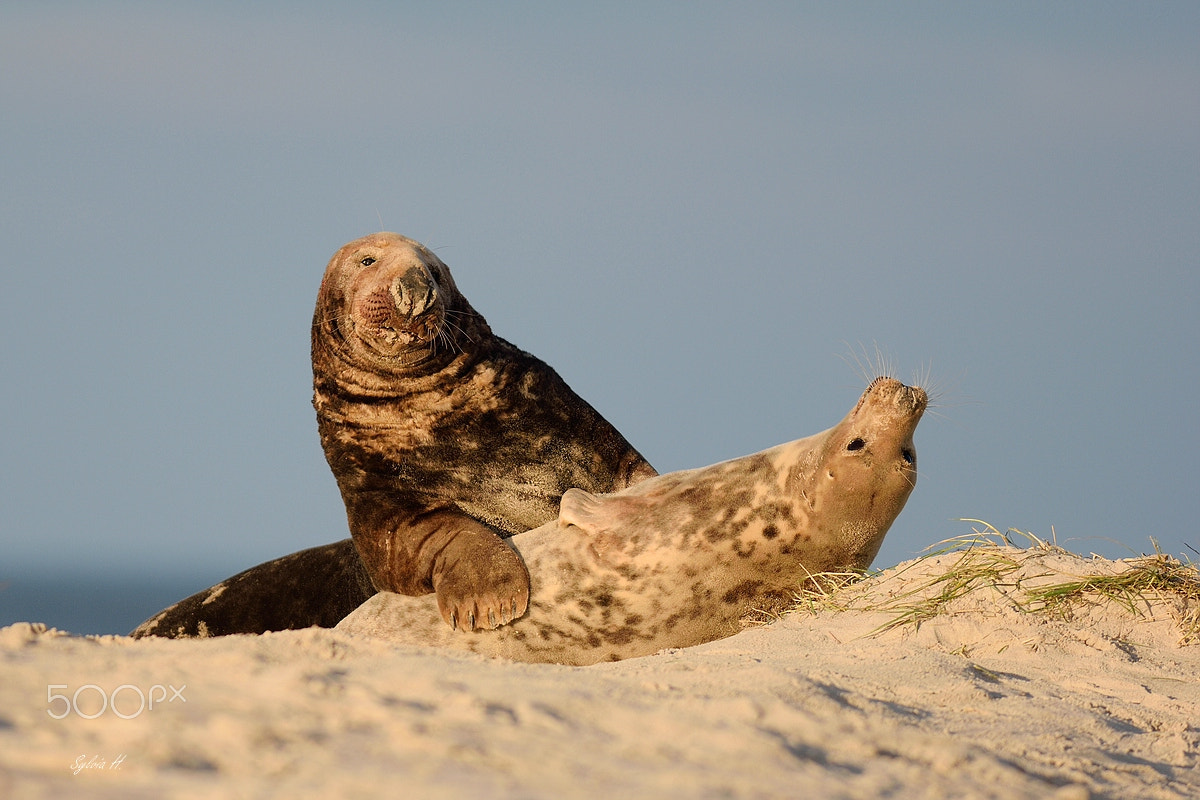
column 993, row 695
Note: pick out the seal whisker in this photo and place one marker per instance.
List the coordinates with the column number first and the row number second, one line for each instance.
column 943, row 394
column 449, row 320
column 331, row 318
column 851, row 359
column 911, row 476
column 867, row 366
column 450, row 332
column 921, row 375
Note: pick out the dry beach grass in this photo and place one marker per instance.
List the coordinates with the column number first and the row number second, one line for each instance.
column 990, row 560
column 981, row 670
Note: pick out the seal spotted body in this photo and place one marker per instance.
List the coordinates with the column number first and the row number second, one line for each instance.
column 681, row 558
column 444, row 439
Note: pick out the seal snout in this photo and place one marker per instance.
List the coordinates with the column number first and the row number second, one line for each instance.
column 907, row 399
column 415, row 291
column 912, row 399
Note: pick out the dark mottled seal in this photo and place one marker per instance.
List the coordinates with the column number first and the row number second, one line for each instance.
column 318, row 586
column 680, row 559
column 444, row 437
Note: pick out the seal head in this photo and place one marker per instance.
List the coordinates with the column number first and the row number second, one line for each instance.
column 385, row 307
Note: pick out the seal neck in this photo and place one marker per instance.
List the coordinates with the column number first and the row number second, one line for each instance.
column 345, row 380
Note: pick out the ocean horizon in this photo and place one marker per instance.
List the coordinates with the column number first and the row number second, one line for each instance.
column 104, row 604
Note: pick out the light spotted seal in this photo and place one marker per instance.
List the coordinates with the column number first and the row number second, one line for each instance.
column 443, row 438
column 681, row 558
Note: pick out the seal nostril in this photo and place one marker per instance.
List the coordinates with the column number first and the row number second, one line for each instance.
column 909, row 456
column 856, row 444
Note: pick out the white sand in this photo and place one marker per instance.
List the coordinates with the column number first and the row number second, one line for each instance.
column 981, row 701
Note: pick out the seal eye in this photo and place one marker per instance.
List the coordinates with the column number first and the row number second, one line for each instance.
column 368, row 261
column 909, row 456
column 856, row 444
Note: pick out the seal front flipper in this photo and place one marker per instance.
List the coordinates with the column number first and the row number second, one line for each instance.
column 606, row 520
column 479, row 580
column 600, row 513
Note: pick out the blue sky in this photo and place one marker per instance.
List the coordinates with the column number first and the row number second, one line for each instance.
column 695, row 212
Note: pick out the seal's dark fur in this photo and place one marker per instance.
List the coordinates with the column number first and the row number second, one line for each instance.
column 444, row 439
column 318, row 586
